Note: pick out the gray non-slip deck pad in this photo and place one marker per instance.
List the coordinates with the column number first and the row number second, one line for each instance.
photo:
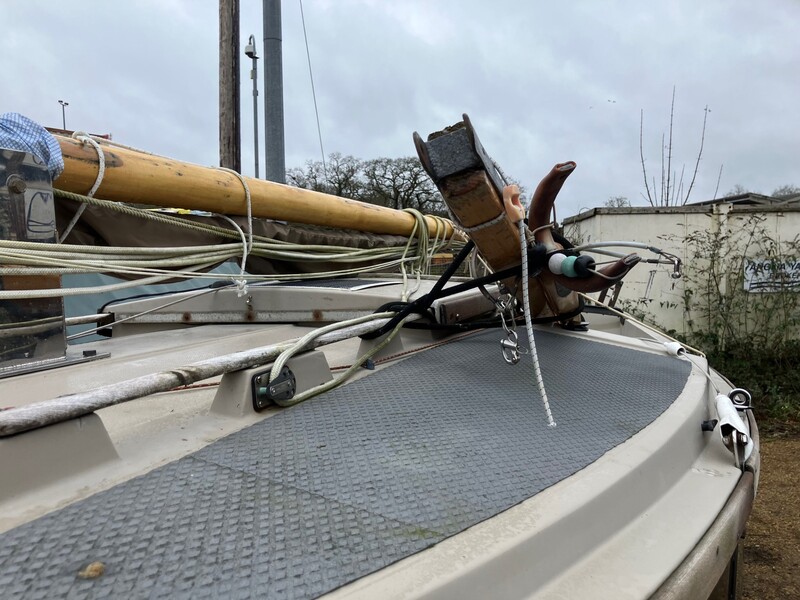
column 351, row 481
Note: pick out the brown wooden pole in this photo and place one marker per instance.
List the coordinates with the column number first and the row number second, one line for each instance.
column 230, row 148
column 137, row 177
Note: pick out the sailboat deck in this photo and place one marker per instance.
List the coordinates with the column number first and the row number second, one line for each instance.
column 326, row 492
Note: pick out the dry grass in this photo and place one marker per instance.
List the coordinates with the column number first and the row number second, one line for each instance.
column 772, row 545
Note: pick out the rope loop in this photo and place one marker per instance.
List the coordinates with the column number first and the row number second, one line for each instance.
column 84, row 139
column 247, row 243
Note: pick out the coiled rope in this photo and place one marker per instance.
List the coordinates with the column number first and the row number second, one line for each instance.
column 161, row 264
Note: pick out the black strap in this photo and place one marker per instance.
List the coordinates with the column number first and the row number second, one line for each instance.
column 422, row 304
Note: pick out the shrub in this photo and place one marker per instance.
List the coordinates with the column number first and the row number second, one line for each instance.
column 750, row 336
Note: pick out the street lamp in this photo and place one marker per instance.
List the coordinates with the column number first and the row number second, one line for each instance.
column 64, row 105
column 250, row 51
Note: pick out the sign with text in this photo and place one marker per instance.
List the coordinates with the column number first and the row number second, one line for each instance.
column 771, row 275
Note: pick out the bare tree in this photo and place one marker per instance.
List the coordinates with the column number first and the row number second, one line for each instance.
column 310, row 177
column 786, row 191
column 341, row 176
column 671, row 190
column 402, row 183
column 617, row 202
column 394, row 182
column 737, row 190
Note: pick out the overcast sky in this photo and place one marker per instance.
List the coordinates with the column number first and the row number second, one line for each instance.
column 543, row 82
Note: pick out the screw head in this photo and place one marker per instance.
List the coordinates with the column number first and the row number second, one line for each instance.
column 16, row 184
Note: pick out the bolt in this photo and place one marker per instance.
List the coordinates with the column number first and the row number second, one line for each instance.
column 16, row 184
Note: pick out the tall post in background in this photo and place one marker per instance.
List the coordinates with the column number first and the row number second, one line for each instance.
column 274, row 159
column 250, row 51
column 230, row 153
column 64, row 106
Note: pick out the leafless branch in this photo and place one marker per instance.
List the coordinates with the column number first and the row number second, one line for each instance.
column 669, row 147
column 699, row 155
column 679, row 190
column 641, row 154
column 662, row 200
column 719, row 178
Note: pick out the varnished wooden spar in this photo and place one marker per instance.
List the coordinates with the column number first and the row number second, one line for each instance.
column 137, row 177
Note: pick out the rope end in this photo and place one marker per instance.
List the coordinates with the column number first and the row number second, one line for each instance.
column 241, row 287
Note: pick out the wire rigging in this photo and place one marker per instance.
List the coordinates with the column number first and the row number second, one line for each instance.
column 313, row 91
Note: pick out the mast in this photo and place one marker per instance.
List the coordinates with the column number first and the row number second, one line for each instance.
column 274, row 159
column 230, row 152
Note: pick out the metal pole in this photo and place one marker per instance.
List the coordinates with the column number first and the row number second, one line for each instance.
column 250, row 50
column 274, row 159
column 63, row 114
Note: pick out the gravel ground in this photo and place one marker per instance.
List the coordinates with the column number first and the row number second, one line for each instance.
column 772, row 545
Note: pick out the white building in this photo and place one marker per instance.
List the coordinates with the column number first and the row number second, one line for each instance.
column 739, row 252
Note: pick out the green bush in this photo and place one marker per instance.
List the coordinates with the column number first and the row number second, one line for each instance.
column 772, row 375
column 751, row 337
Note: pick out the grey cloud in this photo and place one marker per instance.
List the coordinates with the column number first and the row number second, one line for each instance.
column 543, row 83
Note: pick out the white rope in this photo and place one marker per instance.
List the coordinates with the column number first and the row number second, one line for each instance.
column 305, row 341
column 83, row 138
column 37, row 259
column 425, row 249
column 526, row 308
column 420, row 230
column 247, row 245
column 56, row 292
column 300, row 253
column 328, row 385
column 241, row 283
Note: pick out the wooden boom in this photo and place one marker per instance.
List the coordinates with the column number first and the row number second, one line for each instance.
column 138, row 177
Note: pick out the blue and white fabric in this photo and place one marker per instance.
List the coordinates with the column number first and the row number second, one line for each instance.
column 18, row 132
